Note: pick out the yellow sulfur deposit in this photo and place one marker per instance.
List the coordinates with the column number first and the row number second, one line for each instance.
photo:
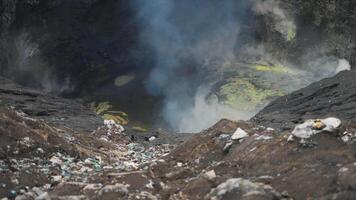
column 241, row 94
column 117, row 118
column 139, row 129
column 291, row 32
column 103, row 109
column 275, row 68
column 100, row 108
column 123, row 80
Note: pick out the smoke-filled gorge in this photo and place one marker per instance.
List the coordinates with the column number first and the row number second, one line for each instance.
column 181, row 64
column 210, row 61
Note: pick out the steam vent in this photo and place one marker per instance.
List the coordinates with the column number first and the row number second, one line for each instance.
column 177, row 99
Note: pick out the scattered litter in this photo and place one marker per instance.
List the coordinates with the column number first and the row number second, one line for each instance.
column 113, row 127
column 152, row 138
column 239, row 134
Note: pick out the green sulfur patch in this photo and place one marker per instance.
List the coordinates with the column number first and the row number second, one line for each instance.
column 123, row 80
column 242, row 94
column 273, row 68
column 291, row 32
column 103, row 109
column 139, row 129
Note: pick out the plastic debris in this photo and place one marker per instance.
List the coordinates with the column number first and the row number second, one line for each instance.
column 313, row 127
column 239, row 134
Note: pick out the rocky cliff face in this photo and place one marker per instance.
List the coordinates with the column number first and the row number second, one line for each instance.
column 324, row 27
column 64, row 45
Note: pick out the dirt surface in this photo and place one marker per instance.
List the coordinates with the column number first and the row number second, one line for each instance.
column 40, row 160
column 52, row 109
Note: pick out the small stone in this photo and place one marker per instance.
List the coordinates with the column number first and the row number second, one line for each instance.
column 264, row 137
column 345, row 138
column 318, row 124
column 40, row 150
column 290, row 138
column 210, row 174
column 152, row 138
column 13, row 193
column 43, row 196
column 269, row 129
column 55, row 160
column 239, row 134
column 227, row 147
column 149, row 185
column 15, row 181
column 343, row 169
column 224, row 136
column 92, row 187
column 116, row 191
column 56, row 179
column 285, row 194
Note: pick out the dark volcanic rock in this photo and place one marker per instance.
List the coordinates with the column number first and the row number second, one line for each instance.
column 55, row 110
column 334, row 96
column 84, row 42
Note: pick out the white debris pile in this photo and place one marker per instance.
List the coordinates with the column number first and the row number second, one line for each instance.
column 242, row 189
column 239, row 134
column 113, row 127
column 314, row 126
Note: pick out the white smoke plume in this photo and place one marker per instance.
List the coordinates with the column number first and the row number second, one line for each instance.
column 26, row 65
column 194, row 43
column 283, row 23
column 344, row 65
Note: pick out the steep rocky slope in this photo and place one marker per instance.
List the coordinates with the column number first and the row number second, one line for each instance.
column 329, row 97
column 42, row 159
column 65, row 46
column 55, row 110
column 45, row 162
